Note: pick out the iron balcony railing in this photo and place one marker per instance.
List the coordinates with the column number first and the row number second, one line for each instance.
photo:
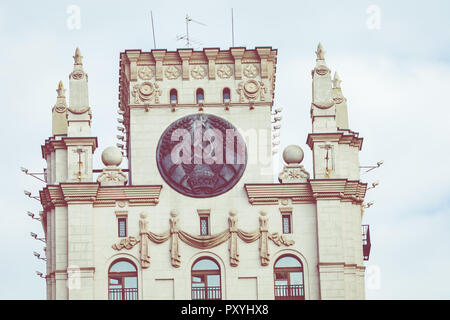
column 366, row 241
column 289, row 292
column 206, row 293
column 123, row 294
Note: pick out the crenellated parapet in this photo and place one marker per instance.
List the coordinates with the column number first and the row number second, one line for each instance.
column 146, row 78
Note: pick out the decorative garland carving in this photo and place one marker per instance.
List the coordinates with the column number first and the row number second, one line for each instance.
column 322, row 70
column 80, row 111
column 203, row 242
column 324, row 105
column 78, row 75
column 60, row 108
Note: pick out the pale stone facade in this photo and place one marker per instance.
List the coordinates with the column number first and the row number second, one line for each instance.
column 81, row 212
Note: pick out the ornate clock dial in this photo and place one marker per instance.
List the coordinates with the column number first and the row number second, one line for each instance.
column 201, row 155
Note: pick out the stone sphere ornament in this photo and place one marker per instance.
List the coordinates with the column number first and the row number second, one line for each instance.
column 293, row 154
column 112, row 156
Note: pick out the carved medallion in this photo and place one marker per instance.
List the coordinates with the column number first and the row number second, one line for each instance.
column 250, row 90
column 145, row 91
column 201, row 155
column 145, row 73
column 224, row 71
column 172, row 72
column 60, row 108
column 198, row 72
column 77, row 75
column 250, row 71
column 322, row 70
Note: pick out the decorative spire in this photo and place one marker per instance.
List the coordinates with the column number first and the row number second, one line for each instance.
column 59, row 112
column 61, row 91
column 320, row 52
column 337, row 81
column 78, row 57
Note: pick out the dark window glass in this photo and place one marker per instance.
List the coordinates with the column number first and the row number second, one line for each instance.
column 286, row 223
column 173, row 96
column 204, row 226
column 200, row 96
column 226, row 95
column 122, row 227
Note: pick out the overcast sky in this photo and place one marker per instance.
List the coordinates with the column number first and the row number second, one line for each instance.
column 394, row 62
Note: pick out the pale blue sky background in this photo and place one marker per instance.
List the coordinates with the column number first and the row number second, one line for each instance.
column 396, row 80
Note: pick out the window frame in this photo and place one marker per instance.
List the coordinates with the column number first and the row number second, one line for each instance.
column 289, row 218
column 120, row 277
column 119, row 220
column 176, row 96
column 206, row 219
column 206, row 273
column 290, row 287
column 223, row 95
column 197, row 100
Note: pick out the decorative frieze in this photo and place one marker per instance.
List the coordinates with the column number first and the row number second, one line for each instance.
column 231, row 235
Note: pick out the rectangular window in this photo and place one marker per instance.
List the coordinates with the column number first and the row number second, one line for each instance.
column 122, row 227
column 204, row 226
column 286, row 223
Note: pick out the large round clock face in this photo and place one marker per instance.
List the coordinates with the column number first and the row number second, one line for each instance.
column 201, row 155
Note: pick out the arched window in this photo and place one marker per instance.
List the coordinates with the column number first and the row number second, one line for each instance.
column 226, row 95
column 288, row 275
column 122, row 280
column 200, row 96
column 205, row 276
column 173, row 96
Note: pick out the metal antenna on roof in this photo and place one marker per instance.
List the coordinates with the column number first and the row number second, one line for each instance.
column 186, row 36
column 153, row 30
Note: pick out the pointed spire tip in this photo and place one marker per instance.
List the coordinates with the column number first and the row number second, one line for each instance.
column 77, row 57
column 336, row 81
column 320, row 52
column 61, row 91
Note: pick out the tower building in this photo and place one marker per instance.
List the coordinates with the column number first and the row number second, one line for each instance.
column 195, row 213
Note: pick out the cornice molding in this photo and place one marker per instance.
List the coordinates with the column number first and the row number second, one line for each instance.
column 344, row 137
column 310, row 192
column 64, row 194
column 52, row 144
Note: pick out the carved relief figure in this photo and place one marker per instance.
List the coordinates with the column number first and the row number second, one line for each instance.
column 263, row 246
column 174, row 254
column 233, row 246
column 143, row 229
